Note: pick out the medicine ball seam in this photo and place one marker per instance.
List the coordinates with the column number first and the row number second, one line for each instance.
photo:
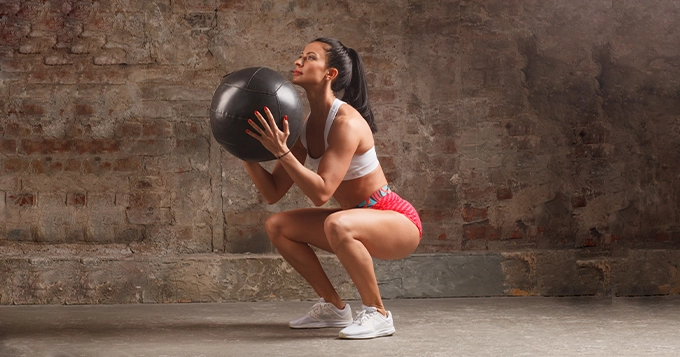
column 250, row 90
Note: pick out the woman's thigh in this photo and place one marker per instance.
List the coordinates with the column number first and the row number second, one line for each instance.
column 304, row 225
column 385, row 234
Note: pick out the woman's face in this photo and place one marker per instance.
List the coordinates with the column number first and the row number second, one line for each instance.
column 310, row 67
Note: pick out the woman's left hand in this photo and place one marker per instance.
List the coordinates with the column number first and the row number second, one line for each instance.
column 271, row 137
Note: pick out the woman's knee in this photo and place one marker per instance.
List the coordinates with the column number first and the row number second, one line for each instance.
column 274, row 226
column 337, row 228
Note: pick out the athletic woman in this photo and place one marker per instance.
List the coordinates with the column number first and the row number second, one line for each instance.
column 372, row 221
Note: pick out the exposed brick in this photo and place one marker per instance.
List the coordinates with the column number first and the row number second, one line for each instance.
column 522, row 143
column 106, row 74
column 389, row 168
column 73, row 165
column 15, row 164
column 191, row 6
column 141, row 199
column 578, row 201
column 480, row 230
column 75, row 234
column 58, row 60
column 151, row 146
column 10, row 8
column 520, row 231
column 45, row 146
column 128, row 130
column 101, row 21
column 148, row 215
column 110, row 57
column 592, row 151
column 47, row 165
column 662, row 237
column 83, row 110
column 128, row 235
column 80, row 11
column 97, row 166
column 147, row 183
column 50, row 200
column 247, row 218
column 46, row 22
column 157, row 129
column 18, row 129
column 593, row 239
column 9, row 183
column 96, row 146
column 593, row 135
column 225, row 5
column 186, row 129
column 471, row 214
column 101, row 199
column 384, row 95
column 429, row 215
column 31, row 47
column 200, row 19
column 20, row 200
column 519, row 128
column 479, row 193
column 129, row 164
column 503, row 193
column 21, row 235
column 10, row 36
column 85, row 45
column 73, row 130
column 444, row 145
column 76, row 199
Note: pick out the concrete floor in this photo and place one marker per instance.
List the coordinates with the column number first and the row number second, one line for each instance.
column 437, row 327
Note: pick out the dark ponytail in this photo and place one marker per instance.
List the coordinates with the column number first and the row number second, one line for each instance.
column 351, row 78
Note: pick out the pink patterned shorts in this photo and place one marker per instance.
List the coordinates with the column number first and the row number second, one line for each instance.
column 386, row 200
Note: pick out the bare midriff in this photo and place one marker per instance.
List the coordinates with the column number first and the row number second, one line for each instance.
column 352, row 192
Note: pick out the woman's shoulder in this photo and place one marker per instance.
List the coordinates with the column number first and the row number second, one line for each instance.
column 349, row 123
column 348, row 115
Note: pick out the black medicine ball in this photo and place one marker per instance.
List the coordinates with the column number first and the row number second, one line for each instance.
column 237, row 98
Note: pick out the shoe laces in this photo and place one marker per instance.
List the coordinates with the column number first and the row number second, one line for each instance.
column 317, row 309
column 364, row 315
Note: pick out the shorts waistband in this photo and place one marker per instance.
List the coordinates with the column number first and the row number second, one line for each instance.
column 375, row 197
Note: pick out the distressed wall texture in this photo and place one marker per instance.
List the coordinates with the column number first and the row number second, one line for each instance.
column 540, row 129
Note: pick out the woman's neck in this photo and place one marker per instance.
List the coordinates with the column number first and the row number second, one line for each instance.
column 320, row 102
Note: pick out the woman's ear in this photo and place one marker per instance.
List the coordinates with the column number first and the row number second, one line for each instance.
column 331, row 73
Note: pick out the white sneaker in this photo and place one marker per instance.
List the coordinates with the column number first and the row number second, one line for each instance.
column 323, row 314
column 369, row 323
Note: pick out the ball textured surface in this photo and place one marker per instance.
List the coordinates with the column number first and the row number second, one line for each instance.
column 237, row 98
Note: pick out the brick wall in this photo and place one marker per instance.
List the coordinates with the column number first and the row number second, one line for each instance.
column 511, row 125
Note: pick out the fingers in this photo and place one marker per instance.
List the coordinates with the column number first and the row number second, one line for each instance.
column 266, row 128
column 272, row 123
column 286, row 128
column 252, row 133
column 269, row 127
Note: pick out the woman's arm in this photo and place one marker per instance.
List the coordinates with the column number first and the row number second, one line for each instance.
column 273, row 186
column 343, row 141
column 320, row 186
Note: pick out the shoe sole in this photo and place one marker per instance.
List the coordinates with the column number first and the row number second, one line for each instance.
column 379, row 333
column 342, row 324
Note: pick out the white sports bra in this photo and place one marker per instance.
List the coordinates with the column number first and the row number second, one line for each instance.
column 361, row 165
